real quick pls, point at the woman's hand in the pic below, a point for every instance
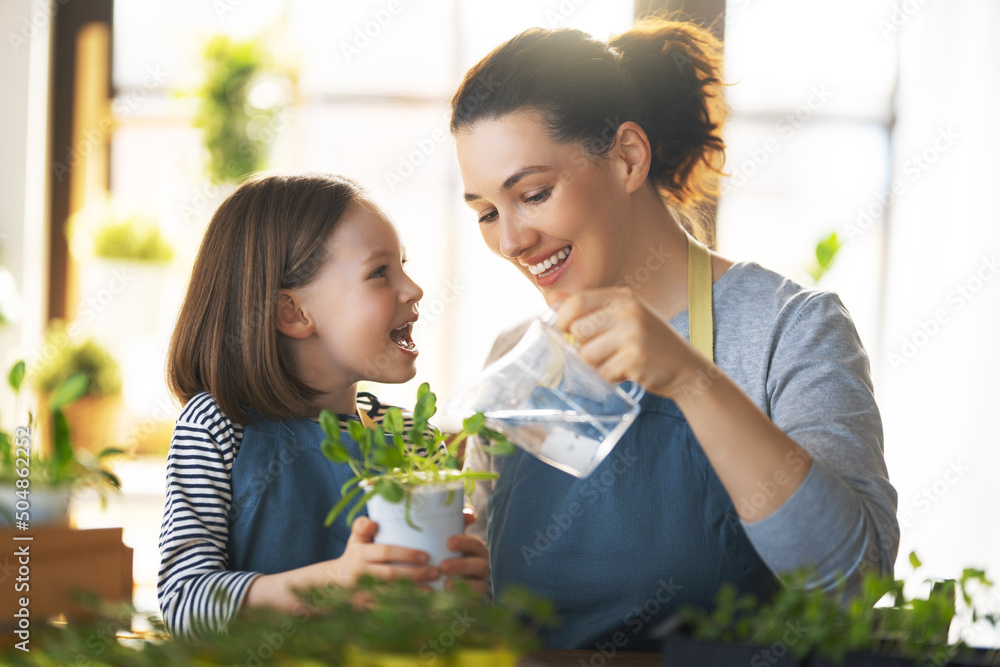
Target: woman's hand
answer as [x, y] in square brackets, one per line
[361, 556]
[474, 565]
[623, 339]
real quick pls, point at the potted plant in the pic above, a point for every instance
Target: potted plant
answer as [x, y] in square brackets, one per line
[124, 257]
[35, 486]
[805, 625]
[240, 105]
[95, 414]
[412, 481]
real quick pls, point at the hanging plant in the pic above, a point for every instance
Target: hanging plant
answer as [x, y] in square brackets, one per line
[240, 104]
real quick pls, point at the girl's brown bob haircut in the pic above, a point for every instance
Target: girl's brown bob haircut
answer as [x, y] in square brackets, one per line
[268, 235]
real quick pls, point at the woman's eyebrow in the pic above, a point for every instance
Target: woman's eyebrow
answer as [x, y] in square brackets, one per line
[512, 179]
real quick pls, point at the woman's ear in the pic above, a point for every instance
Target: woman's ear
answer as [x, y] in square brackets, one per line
[293, 320]
[633, 153]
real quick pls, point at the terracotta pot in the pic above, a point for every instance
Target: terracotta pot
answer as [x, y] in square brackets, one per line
[94, 423]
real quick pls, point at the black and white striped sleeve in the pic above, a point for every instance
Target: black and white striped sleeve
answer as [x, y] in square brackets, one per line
[197, 594]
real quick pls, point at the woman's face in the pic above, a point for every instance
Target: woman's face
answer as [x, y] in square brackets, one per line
[549, 208]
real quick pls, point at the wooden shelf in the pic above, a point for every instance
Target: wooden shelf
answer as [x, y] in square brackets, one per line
[61, 561]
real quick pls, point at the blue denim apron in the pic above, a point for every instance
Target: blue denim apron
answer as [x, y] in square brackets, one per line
[283, 487]
[650, 530]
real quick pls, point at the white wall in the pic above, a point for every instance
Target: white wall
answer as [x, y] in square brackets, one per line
[25, 27]
[938, 387]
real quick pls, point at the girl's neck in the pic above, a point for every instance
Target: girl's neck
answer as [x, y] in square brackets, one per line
[339, 401]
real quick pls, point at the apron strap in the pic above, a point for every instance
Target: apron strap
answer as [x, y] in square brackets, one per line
[700, 298]
[366, 421]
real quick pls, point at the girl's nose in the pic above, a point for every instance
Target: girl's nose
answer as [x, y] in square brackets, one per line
[412, 291]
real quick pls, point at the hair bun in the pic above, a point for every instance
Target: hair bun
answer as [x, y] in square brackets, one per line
[677, 67]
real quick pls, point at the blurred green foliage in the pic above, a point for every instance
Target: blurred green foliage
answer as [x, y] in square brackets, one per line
[62, 357]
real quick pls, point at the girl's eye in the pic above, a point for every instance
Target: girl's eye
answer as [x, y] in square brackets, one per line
[538, 198]
[488, 217]
[380, 272]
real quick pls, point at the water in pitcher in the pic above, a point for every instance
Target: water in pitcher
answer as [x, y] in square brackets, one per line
[547, 400]
[573, 442]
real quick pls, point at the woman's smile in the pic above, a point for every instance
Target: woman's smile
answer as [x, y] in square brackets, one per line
[552, 268]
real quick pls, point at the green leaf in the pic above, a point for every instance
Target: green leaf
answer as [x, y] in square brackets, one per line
[393, 421]
[111, 478]
[110, 451]
[388, 458]
[361, 504]
[63, 450]
[336, 451]
[357, 430]
[826, 250]
[477, 474]
[914, 561]
[69, 390]
[501, 448]
[341, 505]
[16, 376]
[452, 463]
[5, 449]
[377, 443]
[426, 404]
[330, 424]
[389, 489]
[417, 437]
[474, 425]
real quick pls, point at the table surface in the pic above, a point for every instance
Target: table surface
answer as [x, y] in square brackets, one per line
[593, 658]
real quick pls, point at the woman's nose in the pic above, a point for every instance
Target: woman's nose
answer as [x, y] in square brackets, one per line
[516, 236]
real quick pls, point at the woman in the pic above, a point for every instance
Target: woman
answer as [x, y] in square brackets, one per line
[584, 163]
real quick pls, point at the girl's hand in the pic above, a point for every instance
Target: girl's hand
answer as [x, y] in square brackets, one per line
[384, 561]
[474, 565]
[623, 339]
[361, 556]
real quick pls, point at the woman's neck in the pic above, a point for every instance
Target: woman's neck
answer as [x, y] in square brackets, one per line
[656, 263]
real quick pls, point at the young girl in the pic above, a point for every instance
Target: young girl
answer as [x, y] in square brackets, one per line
[297, 294]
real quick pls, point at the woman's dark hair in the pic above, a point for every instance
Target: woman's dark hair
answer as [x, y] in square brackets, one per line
[269, 234]
[662, 74]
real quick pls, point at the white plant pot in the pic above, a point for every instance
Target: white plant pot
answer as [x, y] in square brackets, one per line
[46, 506]
[435, 509]
[121, 298]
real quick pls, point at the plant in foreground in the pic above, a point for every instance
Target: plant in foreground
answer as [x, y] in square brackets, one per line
[831, 625]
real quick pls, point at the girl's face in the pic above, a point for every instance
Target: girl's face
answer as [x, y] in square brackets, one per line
[549, 208]
[363, 304]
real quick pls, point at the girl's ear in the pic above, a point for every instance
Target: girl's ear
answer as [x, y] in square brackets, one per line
[634, 154]
[293, 320]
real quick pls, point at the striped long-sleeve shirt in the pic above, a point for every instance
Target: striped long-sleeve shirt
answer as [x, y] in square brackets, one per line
[198, 594]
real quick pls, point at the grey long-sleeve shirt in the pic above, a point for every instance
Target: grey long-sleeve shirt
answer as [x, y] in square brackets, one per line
[797, 355]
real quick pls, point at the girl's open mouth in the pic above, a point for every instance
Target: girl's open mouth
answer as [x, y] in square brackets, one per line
[402, 337]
